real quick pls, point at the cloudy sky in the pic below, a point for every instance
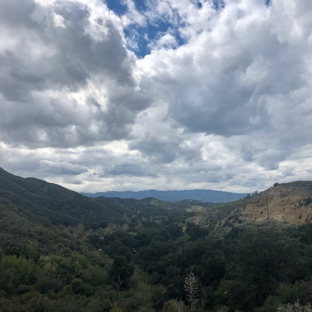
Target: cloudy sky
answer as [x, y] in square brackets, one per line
[164, 94]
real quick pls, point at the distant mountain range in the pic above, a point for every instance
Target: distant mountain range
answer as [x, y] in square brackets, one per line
[174, 196]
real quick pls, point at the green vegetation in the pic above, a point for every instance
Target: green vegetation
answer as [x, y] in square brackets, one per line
[299, 184]
[68, 208]
[130, 255]
[307, 201]
[294, 308]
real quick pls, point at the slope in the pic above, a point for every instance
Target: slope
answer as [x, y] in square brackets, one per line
[289, 202]
[63, 206]
[56, 203]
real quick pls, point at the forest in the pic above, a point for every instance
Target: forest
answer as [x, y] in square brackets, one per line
[143, 255]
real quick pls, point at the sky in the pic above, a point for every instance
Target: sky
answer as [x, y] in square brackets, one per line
[156, 94]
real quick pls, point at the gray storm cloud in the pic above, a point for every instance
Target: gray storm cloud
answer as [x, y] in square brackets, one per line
[61, 167]
[226, 105]
[66, 77]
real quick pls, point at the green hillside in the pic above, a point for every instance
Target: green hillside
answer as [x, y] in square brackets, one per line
[62, 206]
[59, 205]
[144, 255]
[41, 264]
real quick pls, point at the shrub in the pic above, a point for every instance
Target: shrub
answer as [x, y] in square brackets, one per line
[296, 307]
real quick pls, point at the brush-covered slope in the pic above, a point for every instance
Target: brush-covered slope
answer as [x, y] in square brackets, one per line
[289, 202]
[58, 204]
[141, 263]
[43, 267]
[63, 206]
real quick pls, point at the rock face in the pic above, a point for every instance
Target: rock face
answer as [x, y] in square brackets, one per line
[282, 203]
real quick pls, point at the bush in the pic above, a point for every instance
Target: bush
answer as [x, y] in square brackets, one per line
[307, 201]
[294, 307]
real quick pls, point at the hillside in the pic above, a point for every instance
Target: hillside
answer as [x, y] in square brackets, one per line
[58, 204]
[291, 203]
[63, 206]
[42, 265]
[174, 196]
[142, 258]
[219, 213]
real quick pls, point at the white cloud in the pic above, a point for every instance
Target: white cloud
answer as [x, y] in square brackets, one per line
[167, 41]
[230, 108]
[71, 85]
[133, 16]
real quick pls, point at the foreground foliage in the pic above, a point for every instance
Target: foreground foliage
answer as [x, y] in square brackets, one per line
[146, 267]
[151, 261]
[296, 307]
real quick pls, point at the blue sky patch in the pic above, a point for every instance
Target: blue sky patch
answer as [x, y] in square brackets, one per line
[140, 5]
[147, 35]
[150, 34]
[117, 6]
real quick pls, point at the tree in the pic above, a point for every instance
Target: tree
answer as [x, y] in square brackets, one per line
[120, 272]
[174, 306]
[296, 307]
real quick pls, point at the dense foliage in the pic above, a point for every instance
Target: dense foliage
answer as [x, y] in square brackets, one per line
[62, 206]
[151, 261]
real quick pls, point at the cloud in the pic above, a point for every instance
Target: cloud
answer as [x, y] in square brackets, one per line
[65, 69]
[166, 41]
[133, 16]
[232, 76]
[131, 169]
[73, 181]
[222, 99]
[62, 167]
